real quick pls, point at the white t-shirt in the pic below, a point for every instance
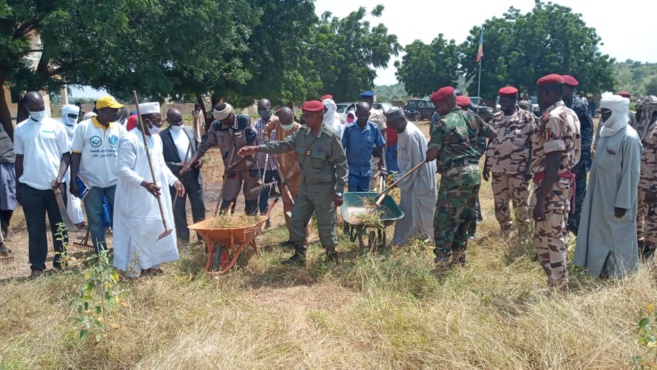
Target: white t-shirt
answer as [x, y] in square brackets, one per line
[182, 142]
[42, 146]
[99, 147]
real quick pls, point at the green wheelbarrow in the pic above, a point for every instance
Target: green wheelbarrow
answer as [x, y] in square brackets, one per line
[370, 235]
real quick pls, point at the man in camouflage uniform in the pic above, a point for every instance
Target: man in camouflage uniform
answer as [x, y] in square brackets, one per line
[454, 145]
[556, 150]
[230, 132]
[323, 177]
[379, 118]
[586, 132]
[646, 212]
[508, 157]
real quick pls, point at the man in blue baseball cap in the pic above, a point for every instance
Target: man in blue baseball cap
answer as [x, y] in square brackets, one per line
[377, 117]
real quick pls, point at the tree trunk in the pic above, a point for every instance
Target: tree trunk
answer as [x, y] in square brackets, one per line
[5, 113]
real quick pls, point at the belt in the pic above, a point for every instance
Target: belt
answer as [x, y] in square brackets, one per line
[457, 170]
[538, 177]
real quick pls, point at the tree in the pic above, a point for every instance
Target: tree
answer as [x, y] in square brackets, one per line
[346, 52]
[651, 86]
[426, 68]
[520, 48]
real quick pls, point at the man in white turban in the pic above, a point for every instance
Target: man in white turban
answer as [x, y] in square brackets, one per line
[607, 240]
[137, 218]
[331, 118]
[69, 118]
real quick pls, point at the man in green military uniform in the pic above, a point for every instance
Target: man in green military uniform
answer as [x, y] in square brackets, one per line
[454, 145]
[324, 174]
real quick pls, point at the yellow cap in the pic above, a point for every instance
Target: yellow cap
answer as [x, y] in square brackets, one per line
[108, 102]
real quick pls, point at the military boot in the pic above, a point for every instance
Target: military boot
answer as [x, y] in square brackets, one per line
[458, 258]
[298, 258]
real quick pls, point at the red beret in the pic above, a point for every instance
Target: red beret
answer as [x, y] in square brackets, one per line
[569, 80]
[327, 96]
[624, 94]
[508, 91]
[313, 106]
[550, 80]
[442, 94]
[463, 101]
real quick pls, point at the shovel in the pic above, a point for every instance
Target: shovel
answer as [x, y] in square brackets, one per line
[167, 231]
[379, 197]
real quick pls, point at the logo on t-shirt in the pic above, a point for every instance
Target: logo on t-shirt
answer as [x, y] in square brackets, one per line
[95, 141]
[114, 140]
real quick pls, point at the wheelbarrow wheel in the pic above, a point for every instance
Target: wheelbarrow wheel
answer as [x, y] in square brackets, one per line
[244, 256]
[371, 242]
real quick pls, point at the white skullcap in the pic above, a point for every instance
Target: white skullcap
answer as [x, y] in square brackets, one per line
[70, 109]
[149, 108]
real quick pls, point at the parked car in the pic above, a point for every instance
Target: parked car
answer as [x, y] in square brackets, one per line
[419, 109]
[478, 105]
[385, 106]
[343, 108]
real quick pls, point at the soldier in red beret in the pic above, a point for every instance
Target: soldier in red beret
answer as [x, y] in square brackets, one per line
[556, 150]
[454, 145]
[508, 157]
[586, 131]
[324, 175]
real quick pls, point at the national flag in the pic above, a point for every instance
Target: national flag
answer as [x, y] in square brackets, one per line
[480, 52]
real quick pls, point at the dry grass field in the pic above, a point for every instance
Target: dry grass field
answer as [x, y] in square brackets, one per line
[365, 313]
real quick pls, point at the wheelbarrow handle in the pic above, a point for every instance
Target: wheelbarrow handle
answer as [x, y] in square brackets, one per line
[379, 197]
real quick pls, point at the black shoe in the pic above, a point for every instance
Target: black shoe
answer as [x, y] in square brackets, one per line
[287, 243]
[296, 259]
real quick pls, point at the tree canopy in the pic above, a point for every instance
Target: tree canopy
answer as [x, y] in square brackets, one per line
[239, 50]
[518, 50]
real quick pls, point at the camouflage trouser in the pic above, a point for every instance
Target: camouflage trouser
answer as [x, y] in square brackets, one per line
[646, 222]
[551, 235]
[580, 192]
[454, 212]
[514, 188]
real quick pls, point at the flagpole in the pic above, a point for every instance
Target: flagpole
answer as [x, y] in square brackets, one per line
[479, 86]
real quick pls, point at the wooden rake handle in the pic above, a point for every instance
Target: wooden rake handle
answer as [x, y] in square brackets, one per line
[379, 197]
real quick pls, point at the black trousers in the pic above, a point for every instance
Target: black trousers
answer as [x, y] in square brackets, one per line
[193, 191]
[36, 203]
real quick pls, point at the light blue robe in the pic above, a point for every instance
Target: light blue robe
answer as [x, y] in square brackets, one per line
[606, 243]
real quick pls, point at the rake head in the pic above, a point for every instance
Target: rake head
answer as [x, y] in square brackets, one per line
[165, 234]
[261, 188]
[5, 258]
[84, 246]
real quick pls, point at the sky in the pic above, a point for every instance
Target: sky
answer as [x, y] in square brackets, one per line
[420, 19]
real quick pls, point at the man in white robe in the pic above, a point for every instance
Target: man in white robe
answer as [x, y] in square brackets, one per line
[137, 219]
[418, 190]
[331, 117]
[69, 118]
[607, 240]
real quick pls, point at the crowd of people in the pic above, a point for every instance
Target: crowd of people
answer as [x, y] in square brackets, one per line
[117, 166]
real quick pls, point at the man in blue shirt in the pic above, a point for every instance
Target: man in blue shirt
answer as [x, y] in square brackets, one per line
[360, 141]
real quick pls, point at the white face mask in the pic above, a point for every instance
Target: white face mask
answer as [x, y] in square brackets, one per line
[68, 121]
[176, 128]
[38, 116]
[154, 130]
[287, 127]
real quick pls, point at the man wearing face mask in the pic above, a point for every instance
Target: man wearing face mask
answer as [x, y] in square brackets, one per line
[606, 240]
[42, 157]
[230, 132]
[94, 160]
[265, 162]
[287, 164]
[586, 132]
[179, 144]
[137, 218]
[73, 204]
